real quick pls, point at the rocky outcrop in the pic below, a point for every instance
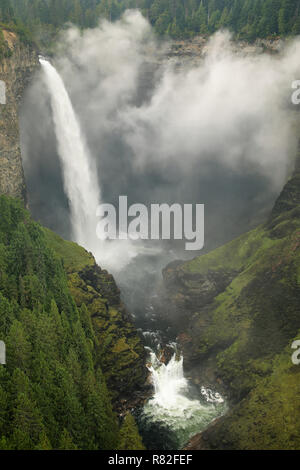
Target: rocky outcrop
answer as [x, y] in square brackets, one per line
[15, 71]
[120, 350]
[290, 196]
[192, 50]
[241, 315]
[191, 291]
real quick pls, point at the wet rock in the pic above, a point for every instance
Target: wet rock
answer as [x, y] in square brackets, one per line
[16, 72]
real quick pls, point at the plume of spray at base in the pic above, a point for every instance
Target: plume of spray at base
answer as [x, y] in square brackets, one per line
[206, 110]
[80, 181]
[171, 405]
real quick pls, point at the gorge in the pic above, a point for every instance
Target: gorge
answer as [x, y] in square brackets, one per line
[233, 311]
[170, 407]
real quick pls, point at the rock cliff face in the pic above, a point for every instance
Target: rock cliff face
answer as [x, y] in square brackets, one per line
[15, 72]
[241, 308]
[194, 49]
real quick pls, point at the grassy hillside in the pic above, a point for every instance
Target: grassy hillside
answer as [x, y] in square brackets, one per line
[62, 378]
[243, 304]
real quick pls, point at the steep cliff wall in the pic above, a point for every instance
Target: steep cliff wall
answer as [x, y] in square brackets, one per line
[15, 71]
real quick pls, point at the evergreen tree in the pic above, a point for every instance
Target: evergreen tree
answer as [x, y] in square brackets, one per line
[53, 394]
[66, 442]
[6, 10]
[129, 435]
[178, 18]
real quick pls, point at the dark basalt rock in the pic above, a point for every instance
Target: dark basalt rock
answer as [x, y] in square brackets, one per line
[16, 71]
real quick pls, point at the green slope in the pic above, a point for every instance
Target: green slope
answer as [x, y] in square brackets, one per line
[242, 303]
[57, 311]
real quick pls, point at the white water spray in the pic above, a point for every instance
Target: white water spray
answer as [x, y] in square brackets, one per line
[171, 405]
[170, 385]
[80, 180]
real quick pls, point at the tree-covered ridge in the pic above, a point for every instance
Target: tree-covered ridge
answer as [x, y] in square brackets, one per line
[53, 393]
[248, 19]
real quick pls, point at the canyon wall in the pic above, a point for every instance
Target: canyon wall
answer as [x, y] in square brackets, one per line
[240, 305]
[16, 68]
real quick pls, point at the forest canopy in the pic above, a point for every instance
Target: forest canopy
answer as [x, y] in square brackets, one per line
[53, 393]
[247, 19]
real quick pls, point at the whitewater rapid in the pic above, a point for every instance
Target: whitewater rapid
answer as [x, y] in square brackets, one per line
[173, 409]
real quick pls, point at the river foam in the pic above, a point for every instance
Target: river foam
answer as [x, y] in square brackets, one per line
[176, 410]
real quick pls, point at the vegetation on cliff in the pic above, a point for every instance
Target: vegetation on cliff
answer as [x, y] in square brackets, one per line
[5, 51]
[61, 376]
[248, 19]
[243, 313]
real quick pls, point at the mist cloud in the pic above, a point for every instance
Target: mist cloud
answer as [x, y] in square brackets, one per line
[231, 107]
[217, 130]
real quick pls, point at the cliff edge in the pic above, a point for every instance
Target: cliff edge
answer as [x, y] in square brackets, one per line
[17, 63]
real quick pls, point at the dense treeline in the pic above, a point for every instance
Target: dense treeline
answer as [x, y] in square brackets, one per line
[248, 19]
[53, 394]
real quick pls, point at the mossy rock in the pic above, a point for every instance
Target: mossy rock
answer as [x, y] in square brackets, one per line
[120, 350]
[242, 334]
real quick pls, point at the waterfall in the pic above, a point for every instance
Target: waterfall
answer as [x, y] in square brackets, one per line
[169, 384]
[174, 406]
[79, 174]
[81, 184]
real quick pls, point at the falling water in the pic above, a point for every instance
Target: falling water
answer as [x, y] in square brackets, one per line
[174, 411]
[170, 385]
[80, 180]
